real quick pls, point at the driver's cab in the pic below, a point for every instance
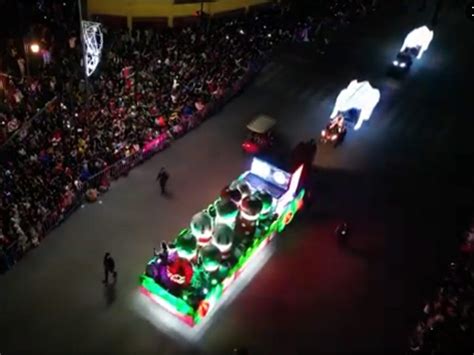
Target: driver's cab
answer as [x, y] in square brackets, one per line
[407, 55]
[344, 119]
[337, 124]
[260, 139]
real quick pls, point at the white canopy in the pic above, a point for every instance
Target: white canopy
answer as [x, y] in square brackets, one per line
[418, 38]
[358, 95]
[261, 124]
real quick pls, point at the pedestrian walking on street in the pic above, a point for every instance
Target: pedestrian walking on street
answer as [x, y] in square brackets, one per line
[109, 268]
[162, 178]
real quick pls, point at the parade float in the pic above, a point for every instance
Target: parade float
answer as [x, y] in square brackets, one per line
[191, 274]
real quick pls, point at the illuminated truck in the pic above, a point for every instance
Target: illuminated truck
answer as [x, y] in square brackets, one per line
[191, 274]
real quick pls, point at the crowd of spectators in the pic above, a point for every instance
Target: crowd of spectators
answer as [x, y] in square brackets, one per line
[149, 87]
[447, 325]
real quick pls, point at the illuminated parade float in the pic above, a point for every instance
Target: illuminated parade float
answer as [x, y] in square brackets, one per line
[356, 103]
[191, 274]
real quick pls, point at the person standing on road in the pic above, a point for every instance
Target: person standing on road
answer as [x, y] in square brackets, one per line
[162, 178]
[109, 267]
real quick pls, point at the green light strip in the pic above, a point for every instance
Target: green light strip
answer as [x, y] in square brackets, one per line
[180, 305]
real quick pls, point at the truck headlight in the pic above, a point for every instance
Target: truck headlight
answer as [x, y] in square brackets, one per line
[323, 132]
[403, 65]
[395, 62]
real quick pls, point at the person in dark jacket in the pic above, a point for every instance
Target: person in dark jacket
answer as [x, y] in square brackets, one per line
[109, 268]
[162, 178]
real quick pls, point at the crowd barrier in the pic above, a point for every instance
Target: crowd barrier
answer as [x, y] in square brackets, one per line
[101, 180]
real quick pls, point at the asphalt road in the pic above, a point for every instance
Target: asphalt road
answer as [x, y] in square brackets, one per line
[402, 182]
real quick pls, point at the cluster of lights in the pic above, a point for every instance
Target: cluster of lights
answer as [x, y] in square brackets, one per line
[399, 64]
[324, 133]
[35, 48]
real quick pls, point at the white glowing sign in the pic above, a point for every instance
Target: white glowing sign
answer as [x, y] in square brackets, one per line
[93, 42]
[279, 177]
[270, 173]
[358, 95]
[260, 168]
[420, 38]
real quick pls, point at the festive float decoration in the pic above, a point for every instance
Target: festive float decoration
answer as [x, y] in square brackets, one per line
[191, 274]
[186, 245]
[93, 43]
[222, 239]
[201, 227]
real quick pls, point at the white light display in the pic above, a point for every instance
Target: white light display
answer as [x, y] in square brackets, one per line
[279, 177]
[358, 95]
[420, 38]
[270, 173]
[93, 42]
[260, 168]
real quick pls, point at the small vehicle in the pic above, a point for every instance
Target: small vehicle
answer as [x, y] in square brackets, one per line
[260, 138]
[335, 131]
[404, 60]
[356, 102]
[415, 44]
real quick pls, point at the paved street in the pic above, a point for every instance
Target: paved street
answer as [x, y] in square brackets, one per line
[402, 182]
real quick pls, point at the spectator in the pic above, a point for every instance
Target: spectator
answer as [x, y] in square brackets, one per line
[447, 325]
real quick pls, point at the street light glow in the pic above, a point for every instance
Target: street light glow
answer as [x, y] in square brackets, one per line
[35, 48]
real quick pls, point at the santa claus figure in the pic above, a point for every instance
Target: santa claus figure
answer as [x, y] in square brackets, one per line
[222, 239]
[249, 213]
[176, 274]
[211, 258]
[242, 186]
[226, 212]
[231, 194]
[202, 227]
[186, 246]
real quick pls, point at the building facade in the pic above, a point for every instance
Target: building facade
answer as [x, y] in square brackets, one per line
[165, 13]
